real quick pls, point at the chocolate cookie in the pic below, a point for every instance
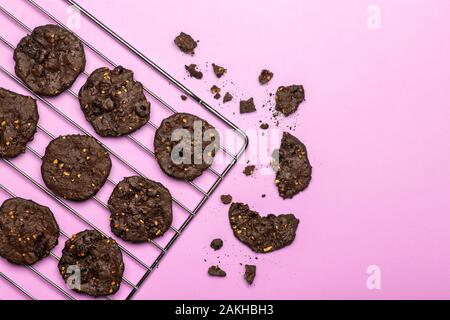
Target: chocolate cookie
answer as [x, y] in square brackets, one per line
[49, 60]
[186, 43]
[265, 76]
[18, 121]
[113, 103]
[141, 209]
[289, 98]
[98, 260]
[262, 234]
[250, 273]
[28, 231]
[75, 167]
[175, 143]
[294, 170]
[247, 106]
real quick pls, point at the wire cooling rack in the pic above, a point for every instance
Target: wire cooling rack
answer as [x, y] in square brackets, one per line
[131, 254]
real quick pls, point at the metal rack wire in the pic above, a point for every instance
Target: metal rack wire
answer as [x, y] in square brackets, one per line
[190, 213]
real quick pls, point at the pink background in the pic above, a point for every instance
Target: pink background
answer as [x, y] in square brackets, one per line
[376, 124]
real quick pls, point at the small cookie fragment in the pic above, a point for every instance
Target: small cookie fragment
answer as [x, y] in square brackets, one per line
[265, 76]
[186, 43]
[217, 96]
[247, 106]
[141, 209]
[264, 126]
[248, 170]
[262, 234]
[250, 273]
[226, 198]
[28, 231]
[227, 97]
[294, 170]
[289, 98]
[215, 271]
[215, 89]
[216, 244]
[98, 260]
[18, 122]
[193, 72]
[218, 70]
[183, 97]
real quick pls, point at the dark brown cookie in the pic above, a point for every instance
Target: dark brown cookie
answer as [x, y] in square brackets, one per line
[218, 70]
[247, 106]
[75, 167]
[216, 244]
[289, 98]
[28, 231]
[49, 60]
[226, 198]
[141, 209]
[227, 97]
[186, 43]
[262, 234]
[265, 76]
[98, 260]
[215, 271]
[193, 72]
[294, 170]
[18, 121]
[248, 170]
[250, 273]
[113, 103]
[176, 163]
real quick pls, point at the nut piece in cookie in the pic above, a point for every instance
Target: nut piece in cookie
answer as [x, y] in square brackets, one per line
[294, 170]
[186, 43]
[185, 146]
[28, 231]
[113, 102]
[262, 234]
[97, 259]
[215, 271]
[218, 70]
[193, 72]
[247, 106]
[250, 273]
[75, 167]
[141, 209]
[18, 121]
[265, 76]
[289, 98]
[49, 60]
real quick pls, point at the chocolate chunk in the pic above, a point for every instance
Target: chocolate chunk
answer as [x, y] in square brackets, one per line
[226, 198]
[215, 271]
[289, 98]
[264, 126]
[262, 234]
[97, 259]
[216, 244]
[227, 97]
[265, 76]
[248, 171]
[141, 209]
[49, 60]
[18, 122]
[294, 172]
[193, 72]
[250, 273]
[186, 43]
[218, 70]
[28, 231]
[75, 167]
[113, 102]
[247, 106]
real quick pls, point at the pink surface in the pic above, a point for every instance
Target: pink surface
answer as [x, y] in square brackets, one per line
[376, 124]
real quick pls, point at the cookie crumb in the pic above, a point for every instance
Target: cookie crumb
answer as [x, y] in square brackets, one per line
[250, 273]
[227, 97]
[247, 106]
[215, 271]
[265, 76]
[216, 244]
[264, 126]
[218, 70]
[186, 43]
[248, 171]
[226, 198]
[193, 72]
[183, 97]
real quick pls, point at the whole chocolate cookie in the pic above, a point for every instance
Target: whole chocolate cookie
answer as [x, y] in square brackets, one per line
[18, 121]
[175, 136]
[98, 260]
[113, 103]
[75, 167]
[141, 209]
[294, 170]
[262, 234]
[28, 231]
[289, 98]
[49, 60]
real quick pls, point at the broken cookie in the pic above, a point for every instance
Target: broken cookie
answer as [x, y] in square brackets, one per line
[218, 70]
[289, 98]
[193, 72]
[215, 271]
[247, 106]
[265, 76]
[186, 43]
[250, 273]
